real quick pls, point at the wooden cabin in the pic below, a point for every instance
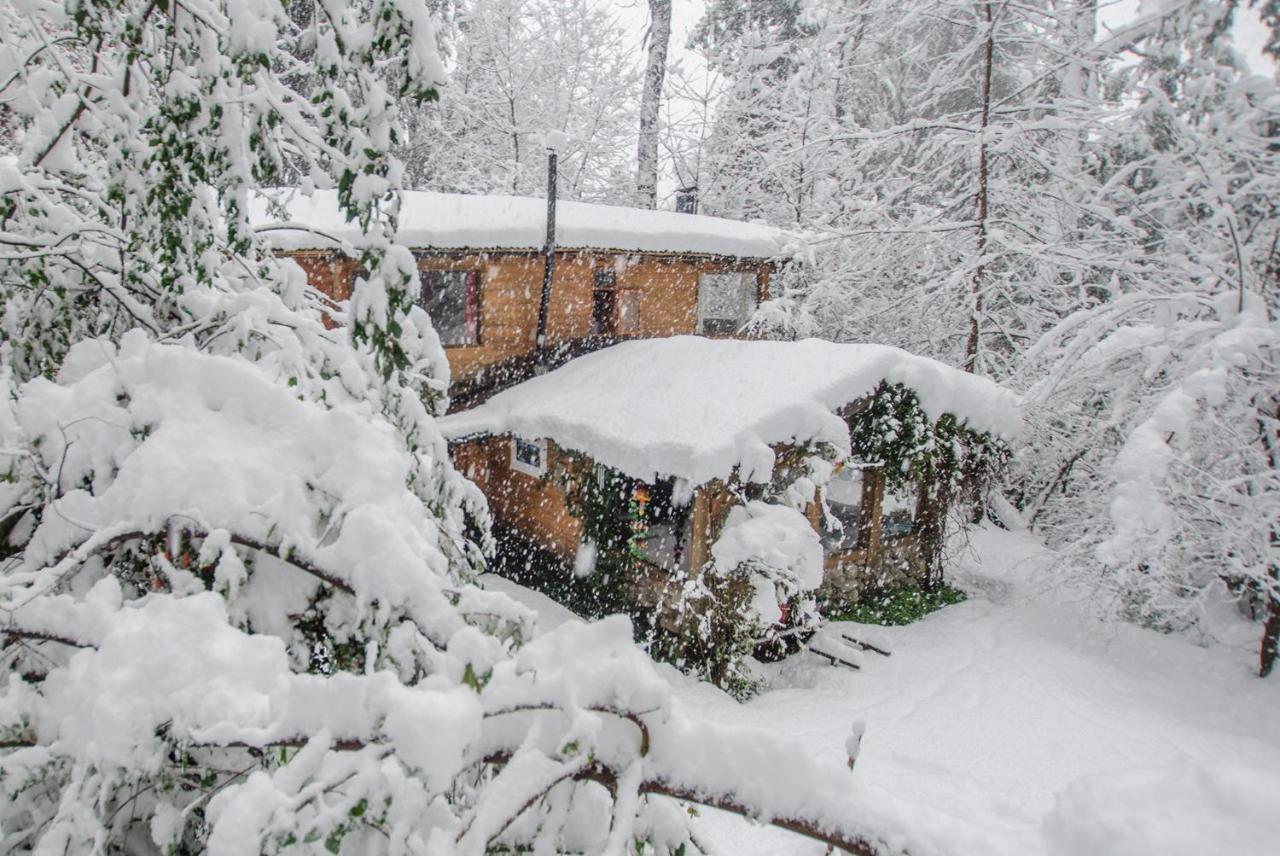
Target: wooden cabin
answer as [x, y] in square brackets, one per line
[690, 427]
[619, 272]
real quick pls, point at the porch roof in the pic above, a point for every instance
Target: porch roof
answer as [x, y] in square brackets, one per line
[695, 408]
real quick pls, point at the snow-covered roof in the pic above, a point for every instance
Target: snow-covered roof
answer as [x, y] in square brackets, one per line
[695, 408]
[453, 221]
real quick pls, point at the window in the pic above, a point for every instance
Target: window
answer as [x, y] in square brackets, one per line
[604, 303]
[529, 456]
[725, 302]
[897, 514]
[452, 299]
[668, 527]
[843, 494]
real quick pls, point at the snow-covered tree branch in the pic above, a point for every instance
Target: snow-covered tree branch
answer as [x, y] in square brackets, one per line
[237, 569]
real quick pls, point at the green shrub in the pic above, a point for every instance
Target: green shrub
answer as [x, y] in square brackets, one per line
[894, 607]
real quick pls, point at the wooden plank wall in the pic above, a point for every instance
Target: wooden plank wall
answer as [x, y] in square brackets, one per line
[665, 289]
[534, 506]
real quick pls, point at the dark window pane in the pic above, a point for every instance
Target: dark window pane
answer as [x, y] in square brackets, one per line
[603, 313]
[529, 454]
[451, 298]
[720, 326]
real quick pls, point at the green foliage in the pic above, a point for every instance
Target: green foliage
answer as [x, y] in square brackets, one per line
[713, 641]
[894, 607]
[328, 651]
[895, 431]
[946, 459]
[602, 499]
[475, 681]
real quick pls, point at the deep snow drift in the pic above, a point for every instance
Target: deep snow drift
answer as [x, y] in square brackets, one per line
[1013, 724]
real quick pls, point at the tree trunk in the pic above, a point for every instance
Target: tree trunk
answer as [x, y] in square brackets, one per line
[1271, 629]
[1268, 431]
[651, 99]
[931, 529]
[975, 318]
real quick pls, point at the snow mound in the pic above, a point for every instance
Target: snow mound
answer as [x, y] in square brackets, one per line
[778, 546]
[454, 221]
[1163, 811]
[697, 408]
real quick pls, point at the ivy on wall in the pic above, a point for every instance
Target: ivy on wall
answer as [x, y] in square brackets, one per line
[691, 620]
[941, 458]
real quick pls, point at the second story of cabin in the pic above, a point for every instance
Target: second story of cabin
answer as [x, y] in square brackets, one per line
[619, 272]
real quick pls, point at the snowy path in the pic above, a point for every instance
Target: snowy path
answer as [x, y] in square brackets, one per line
[1013, 725]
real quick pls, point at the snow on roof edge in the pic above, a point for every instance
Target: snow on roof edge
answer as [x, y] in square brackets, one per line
[462, 222]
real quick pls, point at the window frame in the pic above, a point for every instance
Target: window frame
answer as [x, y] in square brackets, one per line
[748, 301]
[520, 466]
[472, 300]
[837, 546]
[909, 501]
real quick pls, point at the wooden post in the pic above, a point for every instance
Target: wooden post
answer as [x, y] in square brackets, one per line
[699, 532]
[813, 513]
[872, 503]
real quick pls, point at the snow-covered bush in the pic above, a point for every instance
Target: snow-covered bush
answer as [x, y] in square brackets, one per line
[777, 550]
[1155, 454]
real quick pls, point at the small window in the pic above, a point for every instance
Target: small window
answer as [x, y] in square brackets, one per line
[604, 304]
[529, 456]
[725, 302]
[843, 494]
[897, 514]
[452, 299]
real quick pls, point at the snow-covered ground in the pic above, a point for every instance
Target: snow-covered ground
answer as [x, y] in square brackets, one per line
[1014, 724]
